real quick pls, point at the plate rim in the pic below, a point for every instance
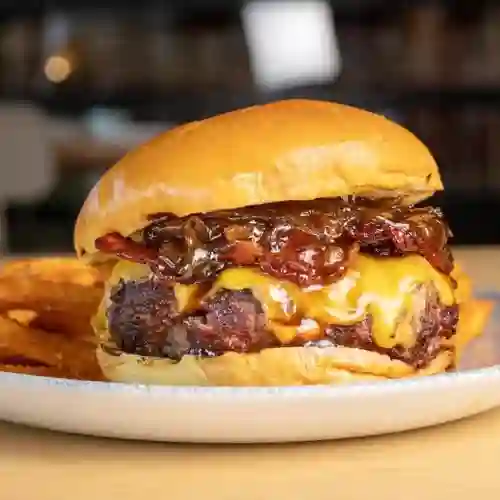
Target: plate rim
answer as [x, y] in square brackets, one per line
[368, 388]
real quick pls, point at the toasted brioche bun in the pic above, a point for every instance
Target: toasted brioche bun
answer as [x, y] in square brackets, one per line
[288, 150]
[285, 366]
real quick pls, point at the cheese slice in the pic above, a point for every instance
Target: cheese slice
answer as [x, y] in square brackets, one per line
[307, 329]
[388, 289]
[280, 299]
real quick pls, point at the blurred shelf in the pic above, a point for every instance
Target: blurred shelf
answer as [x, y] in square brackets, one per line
[84, 144]
[365, 12]
[35, 6]
[438, 95]
[356, 6]
[87, 154]
[184, 105]
[172, 105]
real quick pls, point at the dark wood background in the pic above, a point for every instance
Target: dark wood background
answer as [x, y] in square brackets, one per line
[434, 66]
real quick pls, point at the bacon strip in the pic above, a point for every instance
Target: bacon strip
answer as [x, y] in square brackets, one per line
[126, 248]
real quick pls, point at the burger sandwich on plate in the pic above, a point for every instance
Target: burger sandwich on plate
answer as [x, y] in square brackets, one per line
[282, 244]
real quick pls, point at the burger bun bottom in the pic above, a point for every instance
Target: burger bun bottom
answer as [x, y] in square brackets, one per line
[285, 366]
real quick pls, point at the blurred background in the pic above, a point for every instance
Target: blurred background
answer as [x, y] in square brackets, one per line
[83, 81]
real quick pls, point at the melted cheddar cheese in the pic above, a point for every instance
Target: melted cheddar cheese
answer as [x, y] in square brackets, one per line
[387, 289]
[128, 271]
[279, 299]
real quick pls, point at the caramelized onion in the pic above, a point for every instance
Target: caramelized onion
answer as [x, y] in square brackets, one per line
[307, 242]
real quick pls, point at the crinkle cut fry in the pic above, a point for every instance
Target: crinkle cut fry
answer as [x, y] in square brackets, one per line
[63, 292]
[75, 358]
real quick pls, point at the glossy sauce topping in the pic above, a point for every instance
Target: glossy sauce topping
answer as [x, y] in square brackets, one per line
[305, 243]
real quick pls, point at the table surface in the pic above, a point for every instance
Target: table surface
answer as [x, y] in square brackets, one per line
[460, 460]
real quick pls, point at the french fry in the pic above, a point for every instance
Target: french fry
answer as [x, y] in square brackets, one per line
[42, 371]
[463, 292]
[25, 317]
[65, 323]
[56, 322]
[45, 310]
[25, 293]
[17, 340]
[474, 315]
[53, 269]
[63, 292]
[73, 357]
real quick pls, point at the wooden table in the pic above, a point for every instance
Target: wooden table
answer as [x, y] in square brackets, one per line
[460, 460]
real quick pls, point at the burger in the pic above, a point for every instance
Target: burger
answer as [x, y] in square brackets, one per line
[281, 244]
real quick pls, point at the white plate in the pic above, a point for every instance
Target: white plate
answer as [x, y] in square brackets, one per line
[252, 415]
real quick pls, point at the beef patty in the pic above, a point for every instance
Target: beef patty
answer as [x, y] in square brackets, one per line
[143, 319]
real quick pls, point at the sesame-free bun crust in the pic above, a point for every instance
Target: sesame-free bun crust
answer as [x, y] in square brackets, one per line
[288, 150]
[285, 366]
